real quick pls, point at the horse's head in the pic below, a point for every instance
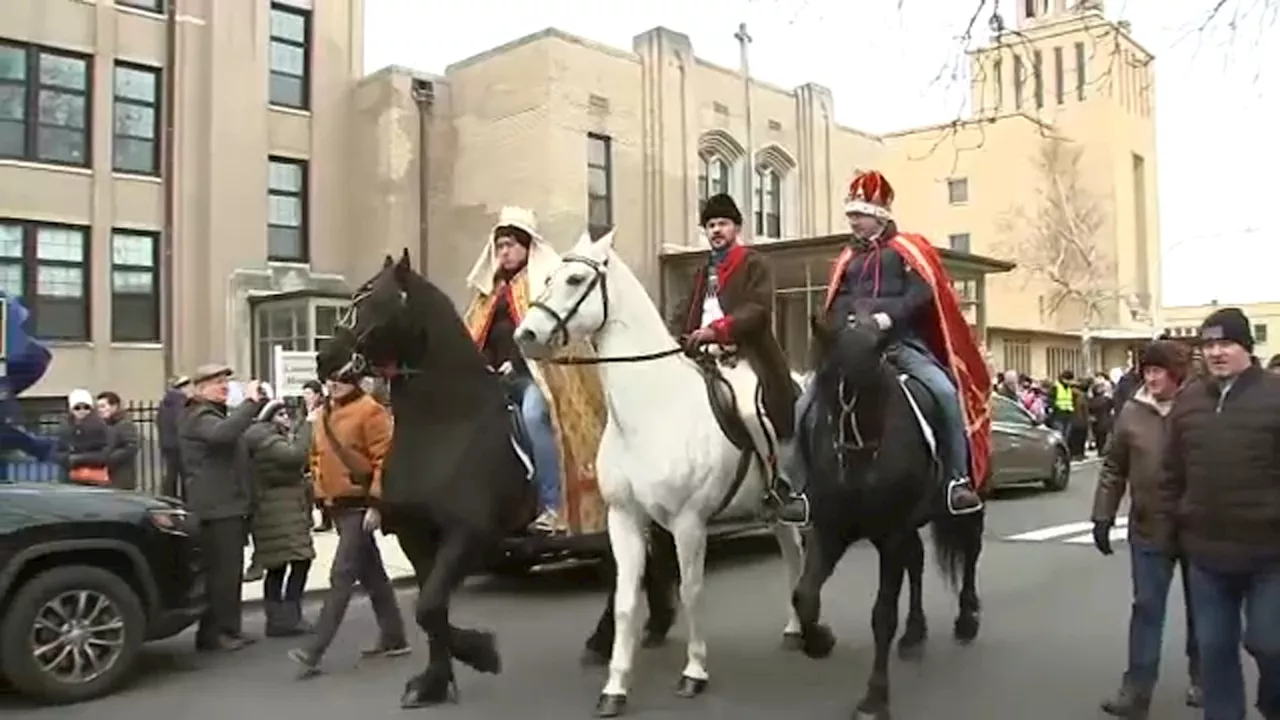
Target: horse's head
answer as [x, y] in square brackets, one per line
[379, 329]
[847, 351]
[574, 305]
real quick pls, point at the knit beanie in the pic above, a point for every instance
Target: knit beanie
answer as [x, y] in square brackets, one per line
[1169, 355]
[1228, 324]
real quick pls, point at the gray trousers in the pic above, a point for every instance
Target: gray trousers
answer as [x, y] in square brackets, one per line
[357, 559]
[222, 545]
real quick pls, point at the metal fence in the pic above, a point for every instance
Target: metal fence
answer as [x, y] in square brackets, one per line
[148, 467]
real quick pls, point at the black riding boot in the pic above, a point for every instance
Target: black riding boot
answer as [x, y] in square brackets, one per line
[961, 497]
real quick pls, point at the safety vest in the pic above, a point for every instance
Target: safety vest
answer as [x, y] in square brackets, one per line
[1062, 399]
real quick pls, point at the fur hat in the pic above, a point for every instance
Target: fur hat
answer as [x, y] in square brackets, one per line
[270, 409]
[1167, 354]
[721, 207]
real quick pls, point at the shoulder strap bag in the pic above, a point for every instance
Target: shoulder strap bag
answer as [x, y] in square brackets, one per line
[361, 473]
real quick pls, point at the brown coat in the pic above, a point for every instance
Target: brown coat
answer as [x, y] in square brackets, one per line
[1133, 460]
[363, 426]
[746, 298]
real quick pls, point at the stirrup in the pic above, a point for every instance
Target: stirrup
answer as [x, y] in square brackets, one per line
[780, 501]
[951, 486]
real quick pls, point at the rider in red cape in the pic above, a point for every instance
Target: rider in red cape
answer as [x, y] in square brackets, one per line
[900, 280]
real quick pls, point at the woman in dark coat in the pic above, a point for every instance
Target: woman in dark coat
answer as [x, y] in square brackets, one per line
[281, 523]
[83, 442]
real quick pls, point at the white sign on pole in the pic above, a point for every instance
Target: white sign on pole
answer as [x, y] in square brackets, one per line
[292, 369]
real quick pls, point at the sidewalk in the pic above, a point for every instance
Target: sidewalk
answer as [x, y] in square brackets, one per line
[326, 544]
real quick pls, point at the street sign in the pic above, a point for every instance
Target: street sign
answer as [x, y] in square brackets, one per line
[291, 369]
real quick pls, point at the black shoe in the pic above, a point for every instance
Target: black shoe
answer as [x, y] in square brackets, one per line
[1128, 703]
[1195, 695]
[961, 498]
[790, 509]
[222, 643]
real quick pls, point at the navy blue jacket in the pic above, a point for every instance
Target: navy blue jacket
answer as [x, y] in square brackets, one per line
[880, 280]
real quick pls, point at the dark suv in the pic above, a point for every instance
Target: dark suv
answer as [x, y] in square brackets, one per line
[87, 575]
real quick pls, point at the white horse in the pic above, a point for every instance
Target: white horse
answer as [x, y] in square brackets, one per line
[663, 456]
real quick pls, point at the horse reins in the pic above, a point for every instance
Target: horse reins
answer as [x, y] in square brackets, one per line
[599, 279]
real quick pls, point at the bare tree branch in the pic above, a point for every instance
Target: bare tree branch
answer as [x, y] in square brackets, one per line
[1057, 240]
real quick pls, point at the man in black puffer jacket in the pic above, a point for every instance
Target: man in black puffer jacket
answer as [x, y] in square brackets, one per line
[1221, 484]
[167, 419]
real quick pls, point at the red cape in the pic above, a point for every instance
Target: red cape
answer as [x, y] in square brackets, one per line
[948, 336]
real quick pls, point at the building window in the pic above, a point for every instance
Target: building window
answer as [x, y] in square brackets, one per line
[135, 148]
[768, 209]
[135, 286]
[1019, 81]
[290, 33]
[44, 105]
[155, 6]
[1080, 71]
[1037, 77]
[997, 71]
[45, 265]
[1260, 332]
[958, 191]
[1060, 359]
[1017, 356]
[325, 320]
[282, 324]
[1059, 77]
[959, 242]
[599, 185]
[714, 178]
[287, 210]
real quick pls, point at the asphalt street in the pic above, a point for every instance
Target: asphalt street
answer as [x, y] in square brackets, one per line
[1051, 646]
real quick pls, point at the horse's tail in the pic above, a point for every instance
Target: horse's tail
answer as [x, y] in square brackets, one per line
[957, 541]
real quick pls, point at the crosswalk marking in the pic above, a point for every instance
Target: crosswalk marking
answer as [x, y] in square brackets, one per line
[1076, 533]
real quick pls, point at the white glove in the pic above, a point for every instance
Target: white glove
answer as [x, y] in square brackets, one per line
[883, 321]
[372, 520]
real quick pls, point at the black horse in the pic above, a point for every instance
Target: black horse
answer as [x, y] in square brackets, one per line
[454, 486]
[874, 477]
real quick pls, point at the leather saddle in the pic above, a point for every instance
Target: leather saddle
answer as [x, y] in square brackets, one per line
[724, 408]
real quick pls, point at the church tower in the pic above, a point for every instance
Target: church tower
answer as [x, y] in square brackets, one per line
[1086, 78]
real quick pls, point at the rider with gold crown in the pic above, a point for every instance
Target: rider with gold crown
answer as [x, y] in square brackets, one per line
[562, 407]
[899, 279]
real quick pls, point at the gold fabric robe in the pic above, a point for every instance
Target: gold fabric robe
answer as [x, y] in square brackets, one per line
[578, 414]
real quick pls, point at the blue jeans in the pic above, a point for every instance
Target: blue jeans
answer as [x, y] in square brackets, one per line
[536, 414]
[914, 362]
[1152, 573]
[954, 443]
[1219, 601]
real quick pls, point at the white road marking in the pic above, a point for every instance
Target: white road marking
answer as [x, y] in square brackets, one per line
[1076, 533]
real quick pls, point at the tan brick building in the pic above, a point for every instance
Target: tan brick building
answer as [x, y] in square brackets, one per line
[186, 180]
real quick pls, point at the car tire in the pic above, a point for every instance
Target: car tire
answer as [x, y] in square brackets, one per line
[1059, 472]
[32, 599]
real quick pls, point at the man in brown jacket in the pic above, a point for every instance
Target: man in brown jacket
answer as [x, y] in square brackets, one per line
[1221, 486]
[350, 440]
[732, 304]
[1132, 461]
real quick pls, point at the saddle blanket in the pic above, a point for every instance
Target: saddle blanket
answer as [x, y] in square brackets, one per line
[929, 437]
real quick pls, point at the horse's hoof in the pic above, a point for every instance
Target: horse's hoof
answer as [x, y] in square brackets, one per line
[593, 658]
[882, 714]
[478, 650]
[792, 641]
[911, 651]
[428, 690]
[966, 629]
[611, 706]
[689, 687]
[818, 642]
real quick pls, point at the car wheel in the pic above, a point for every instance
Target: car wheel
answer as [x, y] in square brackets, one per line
[71, 634]
[1060, 472]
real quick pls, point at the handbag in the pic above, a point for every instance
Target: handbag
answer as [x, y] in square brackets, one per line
[361, 473]
[89, 475]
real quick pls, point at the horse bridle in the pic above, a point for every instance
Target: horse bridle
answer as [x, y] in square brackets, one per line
[358, 364]
[599, 280]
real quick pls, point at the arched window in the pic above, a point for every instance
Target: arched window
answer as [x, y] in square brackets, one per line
[768, 205]
[713, 177]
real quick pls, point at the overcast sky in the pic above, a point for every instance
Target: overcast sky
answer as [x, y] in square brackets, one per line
[1220, 231]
